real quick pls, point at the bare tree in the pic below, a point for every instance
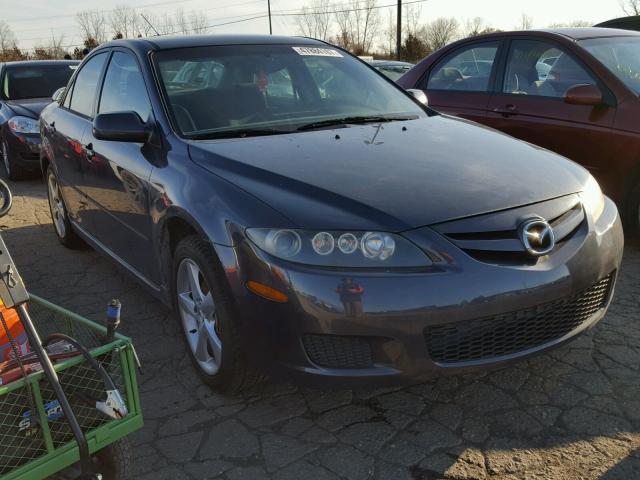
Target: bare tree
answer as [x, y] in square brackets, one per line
[315, 20]
[440, 32]
[390, 37]
[574, 23]
[525, 22]
[474, 26]
[198, 21]
[7, 38]
[125, 20]
[412, 14]
[92, 23]
[630, 7]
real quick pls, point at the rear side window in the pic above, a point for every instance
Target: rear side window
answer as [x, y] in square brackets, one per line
[468, 69]
[540, 68]
[124, 88]
[86, 85]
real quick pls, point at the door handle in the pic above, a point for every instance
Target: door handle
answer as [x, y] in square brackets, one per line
[88, 150]
[507, 110]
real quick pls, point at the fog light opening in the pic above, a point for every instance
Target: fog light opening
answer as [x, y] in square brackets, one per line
[267, 292]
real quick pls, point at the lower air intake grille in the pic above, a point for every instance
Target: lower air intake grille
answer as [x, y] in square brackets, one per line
[515, 331]
[30, 156]
[334, 351]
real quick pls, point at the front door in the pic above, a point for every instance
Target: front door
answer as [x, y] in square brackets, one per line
[529, 104]
[117, 174]
[459, 84]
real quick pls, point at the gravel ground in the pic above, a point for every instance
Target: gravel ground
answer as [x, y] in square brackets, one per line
[573, 413]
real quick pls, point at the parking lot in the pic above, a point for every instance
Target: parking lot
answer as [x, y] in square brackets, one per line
[573, 413]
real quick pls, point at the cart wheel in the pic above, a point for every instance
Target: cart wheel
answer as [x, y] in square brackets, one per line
[114, 461]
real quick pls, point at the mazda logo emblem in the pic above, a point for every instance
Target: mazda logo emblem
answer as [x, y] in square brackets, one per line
[537, 237]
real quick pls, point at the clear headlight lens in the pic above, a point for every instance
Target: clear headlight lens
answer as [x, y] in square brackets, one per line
[21, 124]
[592, 198]
[339, 249]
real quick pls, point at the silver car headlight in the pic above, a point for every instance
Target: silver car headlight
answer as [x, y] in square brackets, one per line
[348, 249]
[21, 124]
[592, 198]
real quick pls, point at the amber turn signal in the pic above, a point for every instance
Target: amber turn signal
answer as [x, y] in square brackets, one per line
[267, 292]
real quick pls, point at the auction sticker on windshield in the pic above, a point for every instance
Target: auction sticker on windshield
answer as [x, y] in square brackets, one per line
[317, 52]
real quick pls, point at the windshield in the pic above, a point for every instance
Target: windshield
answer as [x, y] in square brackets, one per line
[37, 81]
[621, 55]
[222, 90]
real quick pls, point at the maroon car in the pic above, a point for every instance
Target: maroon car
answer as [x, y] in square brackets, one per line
[574, 91]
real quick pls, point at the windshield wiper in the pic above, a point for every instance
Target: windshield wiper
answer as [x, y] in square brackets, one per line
[238, 133]
[360, 120]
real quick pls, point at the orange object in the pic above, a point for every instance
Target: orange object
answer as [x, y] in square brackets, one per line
[17, 333]
[267, 292]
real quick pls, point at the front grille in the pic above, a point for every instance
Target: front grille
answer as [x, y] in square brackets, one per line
[335, 351]
[494, 238]
[517, 331]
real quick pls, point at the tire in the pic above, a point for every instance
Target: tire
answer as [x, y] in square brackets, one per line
[61, 225]
[114, 461]
[12, 170]
[632, 223]
[208, 318]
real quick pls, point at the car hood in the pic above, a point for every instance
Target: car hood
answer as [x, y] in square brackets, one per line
[394, 176]
[28, 107]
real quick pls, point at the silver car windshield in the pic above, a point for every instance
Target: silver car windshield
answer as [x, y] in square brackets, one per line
[621, 55]
[268, 89]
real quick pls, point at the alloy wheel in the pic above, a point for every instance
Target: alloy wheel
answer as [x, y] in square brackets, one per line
[56, 206]
[198, 315]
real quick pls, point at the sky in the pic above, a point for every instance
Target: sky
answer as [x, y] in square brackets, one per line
[44, 18]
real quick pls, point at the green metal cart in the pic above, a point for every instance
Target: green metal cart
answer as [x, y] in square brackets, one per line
[33, 450]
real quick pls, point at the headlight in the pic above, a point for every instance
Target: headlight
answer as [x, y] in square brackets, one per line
[339, 249]
[20, 124]
[592, 198]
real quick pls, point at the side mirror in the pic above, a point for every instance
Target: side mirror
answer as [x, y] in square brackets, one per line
[584, 94]
[57, 95]
[418, 95]
[120, 127]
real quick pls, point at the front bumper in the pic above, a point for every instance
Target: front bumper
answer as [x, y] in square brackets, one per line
[382, 337]
[24, 149]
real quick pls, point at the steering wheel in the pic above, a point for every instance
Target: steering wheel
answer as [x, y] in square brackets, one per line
[6, 199]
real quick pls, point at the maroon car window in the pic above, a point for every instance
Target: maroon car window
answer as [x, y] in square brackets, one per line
[86, 84]
[541, 69]
[467, 69]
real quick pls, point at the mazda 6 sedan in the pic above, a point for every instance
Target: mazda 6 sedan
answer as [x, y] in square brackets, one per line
[306, 217]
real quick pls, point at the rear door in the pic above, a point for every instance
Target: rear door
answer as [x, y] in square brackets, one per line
[529, 103]
[117, 173]
[66, 127]
[460, 83]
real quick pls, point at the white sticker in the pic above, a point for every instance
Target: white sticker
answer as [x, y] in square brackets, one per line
[317, 51]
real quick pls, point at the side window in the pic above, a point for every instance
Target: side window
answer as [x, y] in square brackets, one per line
[279, 85]
[539, 68]
[86, 85]
[124, 87]
[467, 69]
[67, 99]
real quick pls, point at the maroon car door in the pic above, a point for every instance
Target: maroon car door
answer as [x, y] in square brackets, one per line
[529, 103]
[460, 82]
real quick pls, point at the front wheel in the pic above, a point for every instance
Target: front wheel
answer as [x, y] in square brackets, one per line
[61, 224]
[205, 311]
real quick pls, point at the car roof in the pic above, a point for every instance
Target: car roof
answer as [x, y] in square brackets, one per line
[31, 63]
[580, 33]
[186, 41]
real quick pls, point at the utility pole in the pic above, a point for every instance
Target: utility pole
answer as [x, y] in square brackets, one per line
[269, 8]
[399, 31]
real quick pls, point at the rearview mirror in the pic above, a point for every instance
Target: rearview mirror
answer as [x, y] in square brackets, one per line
[57, 95]
[584, 94]
[418, 95]
[120, 127]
